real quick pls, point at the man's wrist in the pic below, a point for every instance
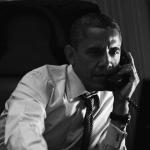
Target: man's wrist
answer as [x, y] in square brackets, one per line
[121, 108]
[125, 119]
[121, 121]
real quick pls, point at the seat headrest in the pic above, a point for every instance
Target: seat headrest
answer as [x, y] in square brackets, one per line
[30, 41]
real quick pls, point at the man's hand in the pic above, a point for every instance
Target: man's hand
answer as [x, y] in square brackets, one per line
[120, 105]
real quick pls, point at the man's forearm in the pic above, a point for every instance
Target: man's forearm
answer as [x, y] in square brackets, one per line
[120, 109]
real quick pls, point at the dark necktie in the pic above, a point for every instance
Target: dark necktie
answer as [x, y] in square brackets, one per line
[88, 120]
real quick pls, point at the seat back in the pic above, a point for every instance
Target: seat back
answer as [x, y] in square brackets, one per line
[29, 41]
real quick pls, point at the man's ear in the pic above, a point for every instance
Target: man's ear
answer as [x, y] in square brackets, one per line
[69, 52]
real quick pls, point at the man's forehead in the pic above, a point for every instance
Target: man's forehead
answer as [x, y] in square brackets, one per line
[104, 34]
[96, 30]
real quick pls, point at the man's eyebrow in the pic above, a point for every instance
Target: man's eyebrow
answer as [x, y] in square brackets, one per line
[94, 48]
[116, 48]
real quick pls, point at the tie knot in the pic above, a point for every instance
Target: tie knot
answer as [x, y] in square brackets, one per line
[89, 100]
[89, 95]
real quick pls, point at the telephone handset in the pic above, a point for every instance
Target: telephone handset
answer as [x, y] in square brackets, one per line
[115, 81]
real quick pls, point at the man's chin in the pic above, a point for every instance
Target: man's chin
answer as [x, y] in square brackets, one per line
[98, 87]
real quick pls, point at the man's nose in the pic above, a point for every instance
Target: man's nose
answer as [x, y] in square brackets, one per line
[106, 60]
[106, 63]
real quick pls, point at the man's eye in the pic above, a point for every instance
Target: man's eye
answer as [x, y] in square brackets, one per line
[94, 52]
[114, 52]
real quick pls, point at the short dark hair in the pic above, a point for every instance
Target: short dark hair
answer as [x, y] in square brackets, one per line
[98, 20]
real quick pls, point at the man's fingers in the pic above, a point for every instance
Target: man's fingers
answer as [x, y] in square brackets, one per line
[131, 60]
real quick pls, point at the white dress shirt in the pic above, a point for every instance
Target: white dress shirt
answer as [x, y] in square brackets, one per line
[45, 112]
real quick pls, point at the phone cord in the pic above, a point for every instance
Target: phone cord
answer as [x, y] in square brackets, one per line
[131, 102]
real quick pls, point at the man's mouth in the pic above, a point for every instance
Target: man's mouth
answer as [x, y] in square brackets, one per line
[102, 77]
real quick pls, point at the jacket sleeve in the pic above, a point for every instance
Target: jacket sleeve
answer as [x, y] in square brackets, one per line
[26, 113]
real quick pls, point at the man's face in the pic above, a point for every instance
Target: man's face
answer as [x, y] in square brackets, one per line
[99, 49]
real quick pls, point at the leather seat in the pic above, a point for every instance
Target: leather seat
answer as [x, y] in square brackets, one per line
[31, 40]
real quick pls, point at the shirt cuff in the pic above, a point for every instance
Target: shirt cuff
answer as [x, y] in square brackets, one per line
[114, 136]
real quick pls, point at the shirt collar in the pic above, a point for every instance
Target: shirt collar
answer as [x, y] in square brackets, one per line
[74, 86]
